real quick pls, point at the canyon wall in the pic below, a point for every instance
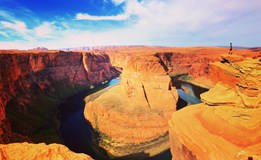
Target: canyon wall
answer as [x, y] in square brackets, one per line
[136, 118]
[195, 62]
[131, 119]
[32, 81]
[227, 125]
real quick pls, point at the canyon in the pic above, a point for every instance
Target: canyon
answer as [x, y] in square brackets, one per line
[32, 83]
[139, 117]
[130, 118]
[140, 84]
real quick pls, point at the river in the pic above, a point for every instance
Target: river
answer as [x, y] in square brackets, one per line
[188, 93]
[76, 133]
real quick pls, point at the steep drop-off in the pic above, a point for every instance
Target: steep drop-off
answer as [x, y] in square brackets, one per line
[195, 62]
[31, 83]
[227, 125]
[131, 119]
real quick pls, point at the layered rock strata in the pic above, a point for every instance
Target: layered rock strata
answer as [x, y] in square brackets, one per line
[27, 151]
[227, 125]
[222, 132]
[195, 62]
[31, 81]
[131, 118]
[243, 85]
[139, 88]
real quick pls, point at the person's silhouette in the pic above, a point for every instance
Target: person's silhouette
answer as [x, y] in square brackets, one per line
[230, 49]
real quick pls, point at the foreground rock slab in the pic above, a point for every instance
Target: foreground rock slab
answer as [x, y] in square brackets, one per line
[222, 132]
[227, 125]
[27, 151]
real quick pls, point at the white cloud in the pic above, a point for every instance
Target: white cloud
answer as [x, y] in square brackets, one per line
[170, 22]
[16, 45]
[6, 15]
[4, 34]
[118, 2]
[18, 26]
[45, 29]
[119, 17]
[187, 15]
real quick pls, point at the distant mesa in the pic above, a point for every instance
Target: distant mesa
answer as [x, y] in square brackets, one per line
[100, 48]
[39, 49]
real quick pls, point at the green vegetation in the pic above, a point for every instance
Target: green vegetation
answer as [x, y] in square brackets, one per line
[39, 121]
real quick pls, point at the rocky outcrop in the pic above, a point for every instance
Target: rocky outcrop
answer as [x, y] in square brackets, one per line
[27, 151]
[192, 61]
[238, 80]
[222, 132]
[227, 124]
[132, 117]
[117, 114]
[30, 82]
[196, 62]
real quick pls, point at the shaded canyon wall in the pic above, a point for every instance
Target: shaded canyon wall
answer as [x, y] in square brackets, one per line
[27, 76]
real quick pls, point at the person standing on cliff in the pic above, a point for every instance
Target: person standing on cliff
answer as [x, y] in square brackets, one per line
[230, 49]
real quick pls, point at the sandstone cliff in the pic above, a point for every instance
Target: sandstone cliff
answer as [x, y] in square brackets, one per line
[132, 117]
[31, 83]
[195, 62]
[227, 124]
[27, 151]
[222, 132]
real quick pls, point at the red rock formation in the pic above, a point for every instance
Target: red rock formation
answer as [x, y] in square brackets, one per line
[109, 111]
[243, 85]
[26, 151]
[228, 124]
[132, 117]
[192, 61]
[222, 132]
[26, 76]
[196, 61]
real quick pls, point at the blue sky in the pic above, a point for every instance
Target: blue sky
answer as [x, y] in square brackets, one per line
[56, 24]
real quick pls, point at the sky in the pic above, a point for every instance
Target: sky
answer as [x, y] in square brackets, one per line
[55, 24]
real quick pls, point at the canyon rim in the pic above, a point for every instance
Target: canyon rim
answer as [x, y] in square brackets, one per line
[130, 80]
[140, 117]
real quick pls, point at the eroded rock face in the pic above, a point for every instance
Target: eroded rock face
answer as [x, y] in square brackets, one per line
[27, 76]
[132, 117]
[227, 124]
[242, 83]
[192, 61]
[222, 132]
[27, 151]
[196, 62]
[144, 71]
